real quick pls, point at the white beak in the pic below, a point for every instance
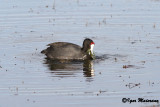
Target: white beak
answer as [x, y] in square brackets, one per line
[92, 46]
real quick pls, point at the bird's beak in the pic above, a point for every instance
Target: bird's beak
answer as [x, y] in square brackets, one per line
[92, 46]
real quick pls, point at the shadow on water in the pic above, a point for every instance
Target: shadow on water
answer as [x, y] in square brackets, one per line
[71, 68]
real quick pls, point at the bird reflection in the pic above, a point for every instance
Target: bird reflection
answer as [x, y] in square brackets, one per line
[88, 68]
[69, 69]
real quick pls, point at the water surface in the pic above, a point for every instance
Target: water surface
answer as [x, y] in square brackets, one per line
[126, 35]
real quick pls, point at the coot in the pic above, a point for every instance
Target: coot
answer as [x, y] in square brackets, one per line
[70, 51]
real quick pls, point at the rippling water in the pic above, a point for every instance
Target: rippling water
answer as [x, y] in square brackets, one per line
[126, 35]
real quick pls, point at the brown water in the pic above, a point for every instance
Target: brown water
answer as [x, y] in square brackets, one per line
[127, 42]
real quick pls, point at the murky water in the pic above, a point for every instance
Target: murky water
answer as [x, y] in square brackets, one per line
[126, 35]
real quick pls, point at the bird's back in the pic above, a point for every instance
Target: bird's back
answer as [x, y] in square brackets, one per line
[63, 50]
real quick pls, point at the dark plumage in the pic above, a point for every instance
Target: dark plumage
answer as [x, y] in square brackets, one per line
[69, 51]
